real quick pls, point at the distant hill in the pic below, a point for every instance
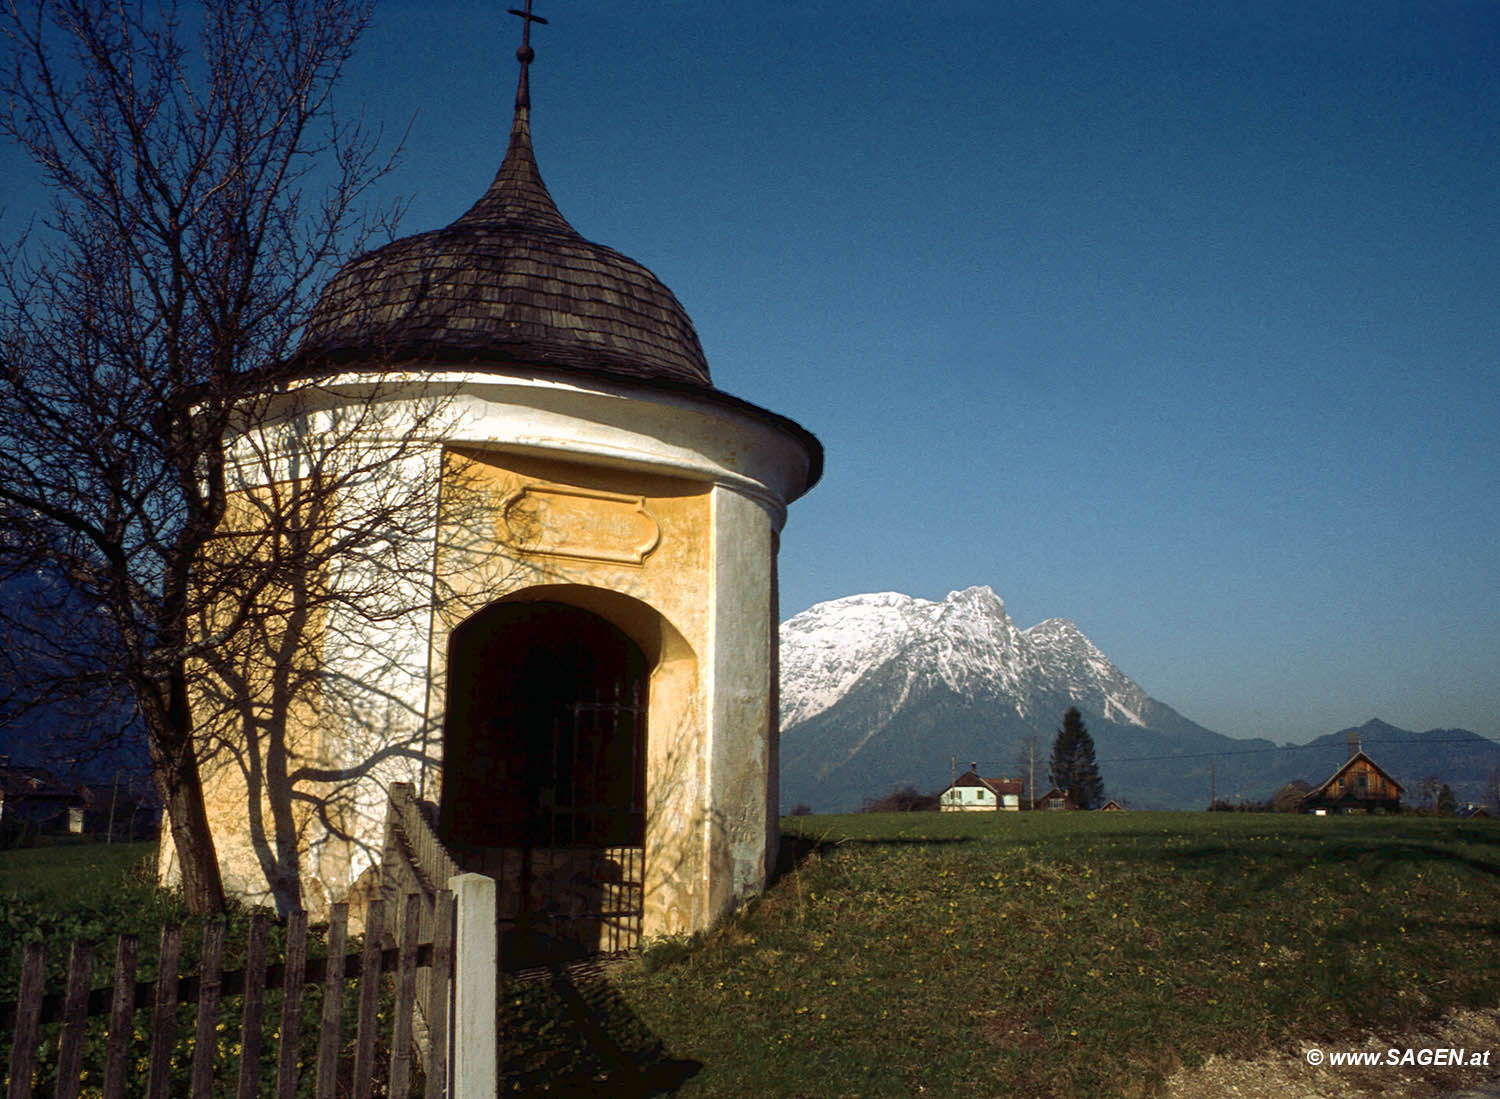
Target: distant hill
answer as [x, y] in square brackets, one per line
[884, 690]
[84, 733]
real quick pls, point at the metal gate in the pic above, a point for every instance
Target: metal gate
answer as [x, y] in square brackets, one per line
[598, 796]
[579, 887]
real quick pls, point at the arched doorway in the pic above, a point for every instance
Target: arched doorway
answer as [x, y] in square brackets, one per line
[544, 783]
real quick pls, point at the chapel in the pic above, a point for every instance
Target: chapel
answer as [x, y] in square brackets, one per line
[574, 668]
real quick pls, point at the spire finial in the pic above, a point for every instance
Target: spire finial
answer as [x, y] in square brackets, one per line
[525, 54]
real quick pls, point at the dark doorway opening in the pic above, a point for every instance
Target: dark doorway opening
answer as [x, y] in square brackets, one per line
[544, 784]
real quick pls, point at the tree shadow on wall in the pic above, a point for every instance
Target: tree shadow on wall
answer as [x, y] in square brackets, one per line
[565, 1031]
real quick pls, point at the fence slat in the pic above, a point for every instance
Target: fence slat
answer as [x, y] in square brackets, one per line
[121, 1016]
[255, 1005]
[75, 1020]
[474, 1074]
[333, 1003]
[406, 998]
[369, 999]
[439, 989]
[427, 932]
[210, 986]
[291, 1006]
[164, 1015]
[28, 1012]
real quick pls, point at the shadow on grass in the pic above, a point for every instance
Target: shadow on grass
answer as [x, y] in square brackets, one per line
[567, 1032]
[796, 848]
[1250, 863]
[1277, 863]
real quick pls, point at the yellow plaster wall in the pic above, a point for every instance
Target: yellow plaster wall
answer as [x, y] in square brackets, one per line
[639, 549]
[742, 753]
[258, 709]
[524, 527]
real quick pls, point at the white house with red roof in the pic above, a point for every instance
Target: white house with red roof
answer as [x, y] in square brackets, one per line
[971, 794]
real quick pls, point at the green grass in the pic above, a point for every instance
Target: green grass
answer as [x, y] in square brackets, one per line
[64, 872]
[1070, 954]
[1042, 954]
[93, 892]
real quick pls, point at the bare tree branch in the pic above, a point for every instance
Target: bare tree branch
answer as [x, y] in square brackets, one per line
[203, 186]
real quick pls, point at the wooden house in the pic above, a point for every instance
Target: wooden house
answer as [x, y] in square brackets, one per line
[34, 800]
[1054, 799]
[971, 793]
[1111, 806]
[1359, 786]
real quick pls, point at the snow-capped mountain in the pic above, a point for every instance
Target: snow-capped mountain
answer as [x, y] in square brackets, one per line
[885, 689]
[880, 691]
[967, 642]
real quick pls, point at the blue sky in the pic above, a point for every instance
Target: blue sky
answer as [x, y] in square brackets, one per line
[1179, 320]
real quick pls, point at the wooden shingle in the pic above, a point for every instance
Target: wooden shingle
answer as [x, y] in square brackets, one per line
[509, 282]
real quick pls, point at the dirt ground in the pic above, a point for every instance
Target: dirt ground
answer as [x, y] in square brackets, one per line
[1286, 1073]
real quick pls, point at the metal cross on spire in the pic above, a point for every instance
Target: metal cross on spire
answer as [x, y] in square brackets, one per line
[525, 54]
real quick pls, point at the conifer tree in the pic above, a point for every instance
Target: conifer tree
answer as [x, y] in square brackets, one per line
[1447, 804]
[1073, 769]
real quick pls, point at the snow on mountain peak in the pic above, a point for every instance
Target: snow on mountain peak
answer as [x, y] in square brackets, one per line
[967, 643]
[980, 596]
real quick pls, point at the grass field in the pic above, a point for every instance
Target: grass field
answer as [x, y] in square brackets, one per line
[88, 891]
[66, 872]
[1011, 954]
[1071, 954]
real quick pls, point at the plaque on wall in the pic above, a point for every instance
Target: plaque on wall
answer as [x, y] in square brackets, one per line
[556, 521]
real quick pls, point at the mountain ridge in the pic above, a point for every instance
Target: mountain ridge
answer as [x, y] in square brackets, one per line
[884, 690]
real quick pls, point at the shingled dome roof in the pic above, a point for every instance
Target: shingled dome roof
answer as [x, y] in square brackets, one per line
[510, 283]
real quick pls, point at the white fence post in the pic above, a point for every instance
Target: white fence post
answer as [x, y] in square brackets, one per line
[473, 1074]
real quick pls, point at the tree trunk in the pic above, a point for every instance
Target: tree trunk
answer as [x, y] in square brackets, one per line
[176, 769]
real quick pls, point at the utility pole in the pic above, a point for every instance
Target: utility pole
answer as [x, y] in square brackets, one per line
[1213, 783]
[109, 834]
[1031, 751]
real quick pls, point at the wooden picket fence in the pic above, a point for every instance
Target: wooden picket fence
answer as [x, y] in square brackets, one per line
[78, 1002]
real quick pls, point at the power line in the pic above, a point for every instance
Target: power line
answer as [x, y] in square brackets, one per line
[1481, 742]
[1293, 748]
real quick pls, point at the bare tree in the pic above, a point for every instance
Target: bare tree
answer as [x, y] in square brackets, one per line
[203, 186]
[314, 611]
[1427, 792]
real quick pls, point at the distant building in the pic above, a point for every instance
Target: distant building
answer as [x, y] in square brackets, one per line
[1054, 799]
[34, 800]
[970, 794]
[1359, 786]
[1111, 806]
